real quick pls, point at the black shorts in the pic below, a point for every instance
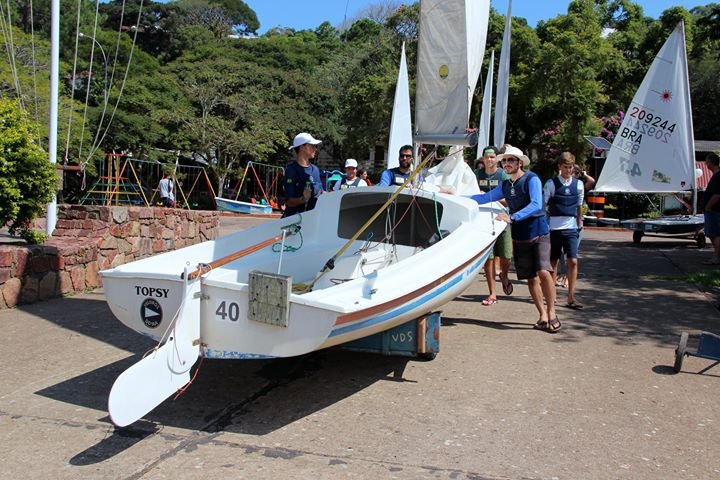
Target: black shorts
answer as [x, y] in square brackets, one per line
[531, 256]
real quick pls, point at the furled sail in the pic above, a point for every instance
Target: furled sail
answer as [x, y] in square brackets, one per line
[484, 126]
[503, 86]
[653, 150]
[401, 123]
[450, 54]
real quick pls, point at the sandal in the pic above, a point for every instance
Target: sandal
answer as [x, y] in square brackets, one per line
[554, 326]
[540, 325]
[507, 285]
[489, 301]
[574, 305]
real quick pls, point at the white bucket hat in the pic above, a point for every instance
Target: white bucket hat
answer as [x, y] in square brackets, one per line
[511, 151]
[351, 162]
[303, 138]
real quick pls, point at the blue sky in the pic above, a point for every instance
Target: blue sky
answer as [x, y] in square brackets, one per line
[308, 14]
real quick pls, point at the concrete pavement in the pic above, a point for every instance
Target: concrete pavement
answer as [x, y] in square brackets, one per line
[501, 400]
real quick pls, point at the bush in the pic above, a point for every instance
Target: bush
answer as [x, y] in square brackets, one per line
[27, 178]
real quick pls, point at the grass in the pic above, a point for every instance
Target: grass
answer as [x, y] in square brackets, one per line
[709, 278]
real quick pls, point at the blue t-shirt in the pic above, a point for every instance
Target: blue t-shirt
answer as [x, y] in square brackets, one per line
[295, 180]
[393, 176]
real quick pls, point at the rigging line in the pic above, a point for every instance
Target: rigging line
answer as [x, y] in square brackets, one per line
[109, 83]
[72, 92]
[127, 71]
[10, 45]
[90, 71]
[34, 74]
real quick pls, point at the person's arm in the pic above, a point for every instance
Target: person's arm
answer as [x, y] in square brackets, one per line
[536, 201]
[714, 199]
[581, 198]
[386, 179]
[548, 192]
[493, 195]
[588, 181]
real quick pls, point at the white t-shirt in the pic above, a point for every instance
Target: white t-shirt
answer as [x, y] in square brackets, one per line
[166, 189]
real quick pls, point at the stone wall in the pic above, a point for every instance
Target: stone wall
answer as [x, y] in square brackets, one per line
[88, 239]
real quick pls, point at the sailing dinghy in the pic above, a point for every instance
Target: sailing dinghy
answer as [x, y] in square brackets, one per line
[363, 261]
[654, 149]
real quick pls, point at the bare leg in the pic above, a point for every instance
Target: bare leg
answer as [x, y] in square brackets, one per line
[537, 295]
[716, 249]
[547, 285]
[572, 278]
[490, 277]
[554, 264]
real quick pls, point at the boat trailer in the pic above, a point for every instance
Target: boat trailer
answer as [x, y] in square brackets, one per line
[416, 338]
[708, 348]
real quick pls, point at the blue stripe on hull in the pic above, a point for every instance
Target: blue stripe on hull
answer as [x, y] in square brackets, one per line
[412, 305]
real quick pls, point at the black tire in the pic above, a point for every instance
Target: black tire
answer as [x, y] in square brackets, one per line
[429, 356]
[637, 236]
[700, 240]
[680, 352]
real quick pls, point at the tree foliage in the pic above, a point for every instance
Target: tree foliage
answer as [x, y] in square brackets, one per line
[27, 179]
[192, 88]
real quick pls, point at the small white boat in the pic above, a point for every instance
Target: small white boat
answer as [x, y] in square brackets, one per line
[227, 205]
[272, 299]
[363, 261]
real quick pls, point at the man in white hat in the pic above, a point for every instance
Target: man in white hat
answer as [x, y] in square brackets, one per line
[351, 179]
[530, 232]
[301, 182]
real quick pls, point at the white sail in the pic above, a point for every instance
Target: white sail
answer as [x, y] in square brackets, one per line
[401, 123]
[450, 54]
[653, 150]
[503, 86]
[484, 126]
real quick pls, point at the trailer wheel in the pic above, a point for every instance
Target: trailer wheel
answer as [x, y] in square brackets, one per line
[637, 236]
[680, 352]
[700, 240]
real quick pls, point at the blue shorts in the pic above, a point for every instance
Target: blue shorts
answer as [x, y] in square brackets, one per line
[712, 224]
[564, 241]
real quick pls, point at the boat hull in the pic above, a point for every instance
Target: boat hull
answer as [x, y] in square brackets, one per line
[373, 287]
[227, 205]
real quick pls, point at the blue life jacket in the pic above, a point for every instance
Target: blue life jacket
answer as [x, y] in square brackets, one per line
[517, 196]
[564, 202]
[345, 183]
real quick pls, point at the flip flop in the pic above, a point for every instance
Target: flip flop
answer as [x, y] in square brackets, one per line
[553, 326]
[489, 301]
[507, 285]
[574, 305]
[540, 325]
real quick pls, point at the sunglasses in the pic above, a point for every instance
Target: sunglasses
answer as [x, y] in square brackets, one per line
[510, 160]
[406, 155]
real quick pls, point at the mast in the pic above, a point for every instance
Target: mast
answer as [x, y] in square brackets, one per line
[51, 216]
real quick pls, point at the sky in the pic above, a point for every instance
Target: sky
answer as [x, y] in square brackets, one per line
[308, 14]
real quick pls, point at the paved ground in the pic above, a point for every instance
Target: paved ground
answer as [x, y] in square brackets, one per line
[501, 400]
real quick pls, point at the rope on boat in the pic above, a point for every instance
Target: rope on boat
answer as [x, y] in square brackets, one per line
[204, 268]
[330, 264]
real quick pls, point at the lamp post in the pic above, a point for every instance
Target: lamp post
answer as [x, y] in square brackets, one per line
[105, 62]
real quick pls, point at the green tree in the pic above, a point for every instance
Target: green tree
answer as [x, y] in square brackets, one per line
[27, 178]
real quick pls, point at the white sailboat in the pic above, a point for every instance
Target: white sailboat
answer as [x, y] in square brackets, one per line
[401, 122]
[363, 261]
[503, 86]
[450, 55]
[654, 149]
